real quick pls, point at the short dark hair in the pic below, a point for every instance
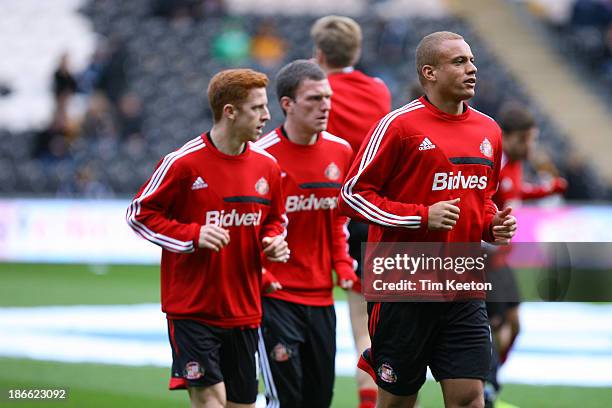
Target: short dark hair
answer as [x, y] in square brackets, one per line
[428, 50]
[514, 117]
[293, 74]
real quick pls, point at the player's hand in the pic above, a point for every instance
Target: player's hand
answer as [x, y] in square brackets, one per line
[504, 226]
[213, 237]
[346, 278]
[269, 283]
[443, 215]
[559, 185]
[276, 249]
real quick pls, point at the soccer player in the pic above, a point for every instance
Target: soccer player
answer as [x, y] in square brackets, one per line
[358, 102]
[299, 321]
[215, 206]
[519, 133]
[397, 184]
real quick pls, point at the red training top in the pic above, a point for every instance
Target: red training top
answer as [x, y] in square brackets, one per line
[416, 156]
[358, 102]
[196, 185]
[312, 176]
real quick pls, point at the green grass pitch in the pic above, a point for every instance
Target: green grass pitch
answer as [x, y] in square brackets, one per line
[99, 385]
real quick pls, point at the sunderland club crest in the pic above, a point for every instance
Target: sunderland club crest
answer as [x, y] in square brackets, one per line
[387, 374]
[332, 171]
[486, 148]
[262, 186]
[193, 370]
[280, 353]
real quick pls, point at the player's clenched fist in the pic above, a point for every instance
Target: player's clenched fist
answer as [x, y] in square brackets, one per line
[213, 237]
[504, 226]
[276, 248]
[443, 215]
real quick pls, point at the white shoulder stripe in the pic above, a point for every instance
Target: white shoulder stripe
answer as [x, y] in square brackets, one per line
[359, 203]
[483, 114]
[266, 137]
[261, 151]
[168, 243]
[333, 138]
[268, 143]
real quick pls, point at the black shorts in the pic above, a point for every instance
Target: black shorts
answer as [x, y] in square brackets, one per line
[452, 338]
[298, 354]
[204, 355]
[358, 234]
[504, 296]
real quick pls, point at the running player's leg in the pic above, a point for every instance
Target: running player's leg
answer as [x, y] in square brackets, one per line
[462, 354]
[367, 388]
[319, 358]
[283, 330]
[463, 393]
[196, 362]
[240, 366]
[403, 335]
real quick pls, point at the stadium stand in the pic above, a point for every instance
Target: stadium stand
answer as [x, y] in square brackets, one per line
[160, 59]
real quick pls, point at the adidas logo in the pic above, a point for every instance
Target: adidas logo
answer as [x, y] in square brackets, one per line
[198, 184]
[426, 144]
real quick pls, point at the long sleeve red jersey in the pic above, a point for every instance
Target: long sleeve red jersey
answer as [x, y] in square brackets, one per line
[312, 176]
[416, 156]
[197, 185]
[358, 102]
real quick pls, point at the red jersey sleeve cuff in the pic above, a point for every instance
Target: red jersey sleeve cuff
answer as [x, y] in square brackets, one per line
[424, 213]
[487, 233]
[195, 234]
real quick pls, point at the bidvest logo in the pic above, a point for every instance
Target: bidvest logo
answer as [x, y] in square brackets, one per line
[448, 181]
[301, 203]
[233, 218]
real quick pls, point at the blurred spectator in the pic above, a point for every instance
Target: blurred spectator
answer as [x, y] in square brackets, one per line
[129, 116]
[51, 143]
[113, 78]
[232, 45]
[99, 122]
[64, 83]
[90, 77]
[5, 89]
[267, 48]
[85, 184]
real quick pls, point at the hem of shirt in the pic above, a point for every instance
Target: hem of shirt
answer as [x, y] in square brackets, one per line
[323, 299]
[248, 322]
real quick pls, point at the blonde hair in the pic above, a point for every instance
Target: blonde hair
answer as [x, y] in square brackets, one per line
[338, 38]
[428, 50]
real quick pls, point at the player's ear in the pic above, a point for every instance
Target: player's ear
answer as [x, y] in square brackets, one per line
[428, 72]
[285, 103]
[229, 111]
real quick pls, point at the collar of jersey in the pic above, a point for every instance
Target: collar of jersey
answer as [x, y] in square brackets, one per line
[444, 115]
[217, 152]
[283, 135]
